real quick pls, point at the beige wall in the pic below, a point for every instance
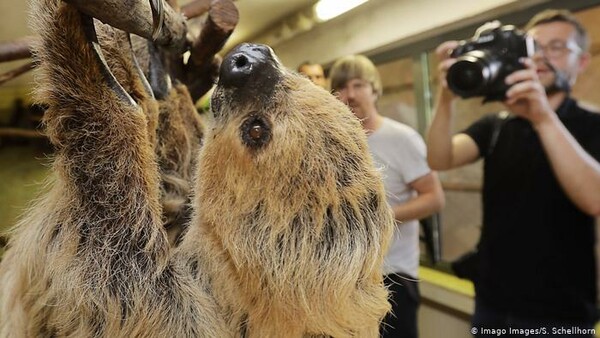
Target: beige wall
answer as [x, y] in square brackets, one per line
[13, 24]
[586, 87]
[446, 305]
[382, 24]
[436, 323]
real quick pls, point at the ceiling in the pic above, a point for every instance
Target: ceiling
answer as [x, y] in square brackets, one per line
[256, 16]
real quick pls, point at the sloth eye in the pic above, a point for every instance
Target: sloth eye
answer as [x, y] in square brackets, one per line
[256, 131]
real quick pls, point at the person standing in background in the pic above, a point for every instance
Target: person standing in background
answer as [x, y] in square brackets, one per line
[536, 263]
[314, 72]
[413, 190]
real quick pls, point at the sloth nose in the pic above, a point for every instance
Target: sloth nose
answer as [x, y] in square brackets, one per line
[245, 61]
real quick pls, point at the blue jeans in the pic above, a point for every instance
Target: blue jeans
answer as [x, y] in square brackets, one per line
[489, 322]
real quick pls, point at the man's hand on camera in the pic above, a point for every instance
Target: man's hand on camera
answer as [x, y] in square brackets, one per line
[443, 53]
[527, 97]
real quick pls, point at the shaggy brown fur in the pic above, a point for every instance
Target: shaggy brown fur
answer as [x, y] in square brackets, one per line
[123, 64]
[289, 229]
[293, 228]
[91, 258]
[179, 138]
[174, 125]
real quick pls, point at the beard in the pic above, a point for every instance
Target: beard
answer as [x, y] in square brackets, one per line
[560, 81]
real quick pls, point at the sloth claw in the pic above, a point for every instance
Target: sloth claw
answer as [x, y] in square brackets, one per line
[90, 33]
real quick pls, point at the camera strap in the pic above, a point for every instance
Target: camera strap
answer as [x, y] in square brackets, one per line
[501, 118]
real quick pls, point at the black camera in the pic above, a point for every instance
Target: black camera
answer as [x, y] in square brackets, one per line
[484, 61]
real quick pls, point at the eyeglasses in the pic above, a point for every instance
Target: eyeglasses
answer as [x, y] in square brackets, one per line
[557, 48]
[354, 84]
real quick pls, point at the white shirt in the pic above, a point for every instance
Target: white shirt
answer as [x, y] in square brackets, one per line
[399, 151]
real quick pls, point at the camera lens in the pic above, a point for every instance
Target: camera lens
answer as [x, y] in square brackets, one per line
[465, 77]
[472, 74]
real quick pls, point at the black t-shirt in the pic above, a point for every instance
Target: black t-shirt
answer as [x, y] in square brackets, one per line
[537, 257]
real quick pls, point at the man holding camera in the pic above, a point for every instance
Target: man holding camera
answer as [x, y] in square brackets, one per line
[536, 262]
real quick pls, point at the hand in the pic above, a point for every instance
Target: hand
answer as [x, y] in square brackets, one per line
[527, 96]
[443, 53]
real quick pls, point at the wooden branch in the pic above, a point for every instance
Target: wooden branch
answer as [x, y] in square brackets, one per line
[203, 79]
[196, 8]
[17, 49]
[15, 72]
[19, 132]
[174, 4]
[223, 16]
[202, 65]
[136, 17]
[21, 48]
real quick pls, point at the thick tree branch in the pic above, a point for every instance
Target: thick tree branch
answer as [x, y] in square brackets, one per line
[136, 17]
[174, 4]
[15, 72]
[19, 132]
[195, 8]
[223, 16]
[202, 65]
[17, 49]
[21, 48]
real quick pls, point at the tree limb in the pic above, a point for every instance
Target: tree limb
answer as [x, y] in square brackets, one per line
[195, 9]
[136, 17]
[202, 65]
[21, 48]
[15, 72]
[17, 49]
[201, 70]
[19, 132]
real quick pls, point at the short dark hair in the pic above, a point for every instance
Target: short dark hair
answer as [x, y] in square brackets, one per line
[561, 15]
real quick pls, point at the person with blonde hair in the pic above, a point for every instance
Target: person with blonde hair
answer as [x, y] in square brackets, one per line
[413, 190]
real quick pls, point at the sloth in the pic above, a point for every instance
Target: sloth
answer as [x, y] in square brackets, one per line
[90, 258]
[179, 132]
[290, 211]
[288, 221]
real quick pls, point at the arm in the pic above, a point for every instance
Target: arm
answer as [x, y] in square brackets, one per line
[577, 172]
[429, 199]
[445, 151]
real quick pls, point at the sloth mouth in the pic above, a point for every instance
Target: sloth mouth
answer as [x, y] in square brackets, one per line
[216, 103]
